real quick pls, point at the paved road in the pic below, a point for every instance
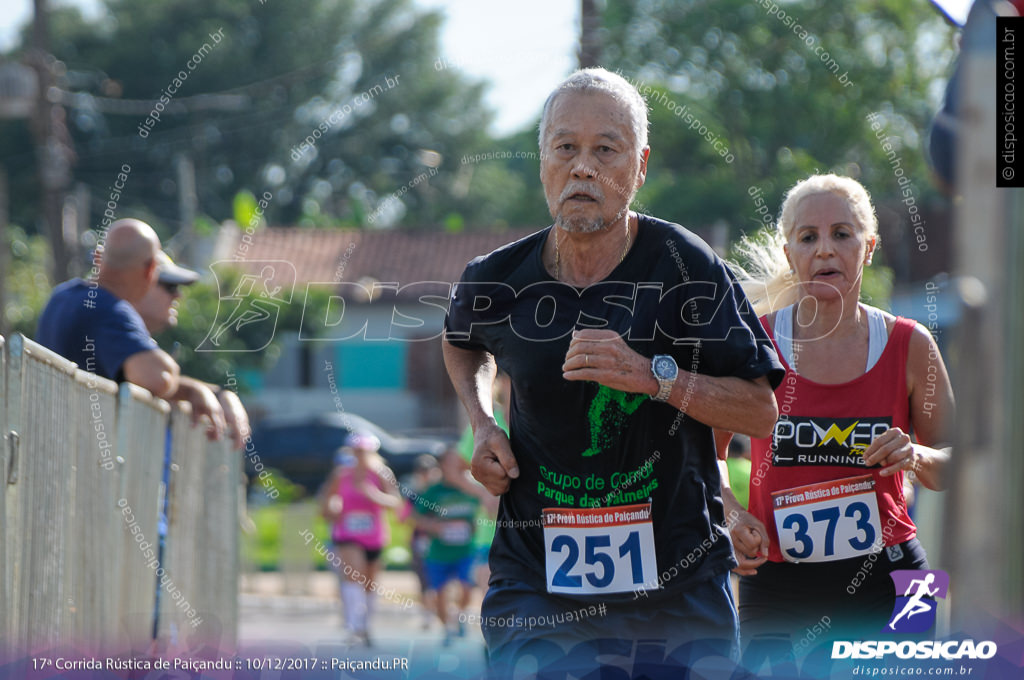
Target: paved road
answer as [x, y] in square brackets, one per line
[303, 619]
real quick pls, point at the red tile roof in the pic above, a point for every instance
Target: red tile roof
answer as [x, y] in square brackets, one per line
[325, 255]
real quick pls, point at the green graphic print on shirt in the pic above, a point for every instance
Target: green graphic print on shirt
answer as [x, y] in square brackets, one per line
[607, 414]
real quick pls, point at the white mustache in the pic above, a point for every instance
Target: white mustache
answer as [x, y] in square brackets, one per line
[581, 188]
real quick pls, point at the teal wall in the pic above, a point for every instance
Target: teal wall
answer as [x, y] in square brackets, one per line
[377, 365]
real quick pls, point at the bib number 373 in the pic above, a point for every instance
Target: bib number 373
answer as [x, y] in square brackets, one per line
[599, 550]
[828, 521]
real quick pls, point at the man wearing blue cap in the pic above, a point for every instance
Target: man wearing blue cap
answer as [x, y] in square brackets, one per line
[159, 311]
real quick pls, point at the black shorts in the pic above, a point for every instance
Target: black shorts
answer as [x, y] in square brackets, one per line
[372, 554]
[526, 628]
[843, 597]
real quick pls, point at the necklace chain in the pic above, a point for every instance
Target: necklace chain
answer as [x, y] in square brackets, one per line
[622, 257]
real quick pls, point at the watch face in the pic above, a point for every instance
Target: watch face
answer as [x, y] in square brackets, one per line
[664, 367]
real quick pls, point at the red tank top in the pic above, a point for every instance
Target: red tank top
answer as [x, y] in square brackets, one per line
[823, 430]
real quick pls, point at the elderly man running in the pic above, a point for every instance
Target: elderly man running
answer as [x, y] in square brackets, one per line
[626, 342]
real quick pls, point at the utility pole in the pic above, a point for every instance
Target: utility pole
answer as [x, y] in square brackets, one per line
[590, 29]
[187, 201]
[53, 142]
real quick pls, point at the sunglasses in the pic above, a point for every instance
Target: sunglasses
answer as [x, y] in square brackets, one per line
[171, 288]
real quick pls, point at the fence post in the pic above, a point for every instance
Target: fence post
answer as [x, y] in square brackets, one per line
[218, 540]
[202, 537]
[40, 502]
[6, 442]
[141, 429]
[98, 525]
[184, 508]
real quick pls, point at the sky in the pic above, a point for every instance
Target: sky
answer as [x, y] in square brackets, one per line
[524, 48]
[955, 9]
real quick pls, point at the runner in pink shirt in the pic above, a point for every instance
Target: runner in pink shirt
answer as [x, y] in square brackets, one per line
[360, 491]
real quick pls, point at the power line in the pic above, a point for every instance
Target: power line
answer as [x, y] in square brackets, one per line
[233, 99]
[142, 107]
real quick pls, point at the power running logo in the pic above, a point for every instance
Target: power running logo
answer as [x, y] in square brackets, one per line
[914, 612]
[800, 440]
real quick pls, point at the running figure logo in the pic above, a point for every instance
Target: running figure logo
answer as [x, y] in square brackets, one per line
[914, 611]
[254, 299]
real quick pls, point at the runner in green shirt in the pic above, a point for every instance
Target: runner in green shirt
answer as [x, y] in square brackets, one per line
[448, 515]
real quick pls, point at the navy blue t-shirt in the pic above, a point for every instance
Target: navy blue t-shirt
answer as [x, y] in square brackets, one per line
[92, 327]
[579, 444]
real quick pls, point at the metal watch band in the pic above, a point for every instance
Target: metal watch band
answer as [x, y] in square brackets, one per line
[664, 389]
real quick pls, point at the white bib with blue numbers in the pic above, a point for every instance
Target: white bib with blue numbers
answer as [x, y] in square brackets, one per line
[599, 550]
[828, 521]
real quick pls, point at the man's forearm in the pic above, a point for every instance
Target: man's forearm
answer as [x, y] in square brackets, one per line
[154, 370]
[730, 403]
[733, 404]
[472, 374]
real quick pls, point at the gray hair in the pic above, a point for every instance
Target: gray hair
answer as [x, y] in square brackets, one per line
[591, 80]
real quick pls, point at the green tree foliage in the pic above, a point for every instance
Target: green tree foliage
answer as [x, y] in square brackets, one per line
[750, 96]
[290, 67]
[200, 309]
[786, 88]
[503, 178]
[27, 286]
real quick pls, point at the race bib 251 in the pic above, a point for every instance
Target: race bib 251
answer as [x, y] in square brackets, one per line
[599, 550]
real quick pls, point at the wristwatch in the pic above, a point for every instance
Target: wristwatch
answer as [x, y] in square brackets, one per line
[665, 372]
